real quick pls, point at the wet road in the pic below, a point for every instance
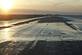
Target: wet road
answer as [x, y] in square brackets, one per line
[38, 35]
[38, 30]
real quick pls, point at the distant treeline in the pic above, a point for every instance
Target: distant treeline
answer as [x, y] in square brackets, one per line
[24, 16]
[10, 17]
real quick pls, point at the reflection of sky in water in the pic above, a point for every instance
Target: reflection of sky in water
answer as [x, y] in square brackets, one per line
[4, 23]
[6, 34]
[80, 26]
[50, 32]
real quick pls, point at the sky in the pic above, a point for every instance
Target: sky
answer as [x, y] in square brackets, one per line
[49, 5]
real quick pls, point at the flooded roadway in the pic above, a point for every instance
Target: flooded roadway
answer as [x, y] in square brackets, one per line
[38, 36]
[56, 31]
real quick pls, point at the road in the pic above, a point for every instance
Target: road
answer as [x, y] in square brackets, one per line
[29, 34]
[41, 30]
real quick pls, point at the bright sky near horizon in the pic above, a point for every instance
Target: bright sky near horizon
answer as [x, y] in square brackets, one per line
[68, 5]
[51, 5]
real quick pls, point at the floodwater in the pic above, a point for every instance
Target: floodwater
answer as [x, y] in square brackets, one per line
[6, 34]
[40, 37]
[39, 31]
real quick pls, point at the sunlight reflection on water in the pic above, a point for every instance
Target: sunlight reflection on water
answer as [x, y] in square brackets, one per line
[7, 33]
[6, 23]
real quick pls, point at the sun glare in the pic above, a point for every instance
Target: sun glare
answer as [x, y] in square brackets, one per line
[6, 5]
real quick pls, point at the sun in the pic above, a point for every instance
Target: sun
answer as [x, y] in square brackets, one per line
[6, 5]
